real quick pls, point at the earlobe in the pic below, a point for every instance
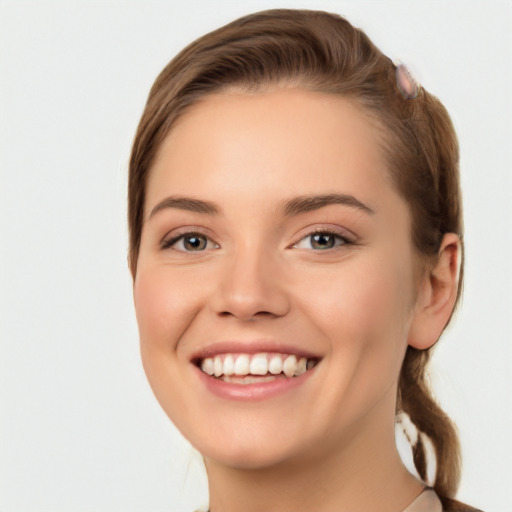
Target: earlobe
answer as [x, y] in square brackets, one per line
[437, 295]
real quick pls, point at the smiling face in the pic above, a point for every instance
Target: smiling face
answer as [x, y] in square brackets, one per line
[272, 228]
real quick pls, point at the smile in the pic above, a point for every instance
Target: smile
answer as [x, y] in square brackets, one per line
[255, 368]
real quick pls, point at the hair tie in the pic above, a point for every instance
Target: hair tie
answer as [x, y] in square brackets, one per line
[414, 436]
[408, 86]
[408, 428]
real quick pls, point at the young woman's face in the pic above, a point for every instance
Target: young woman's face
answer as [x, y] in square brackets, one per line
[273, 241]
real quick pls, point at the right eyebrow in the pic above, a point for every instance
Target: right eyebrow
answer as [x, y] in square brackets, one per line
[185, 203]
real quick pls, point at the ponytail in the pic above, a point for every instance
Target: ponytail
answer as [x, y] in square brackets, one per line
[415, 398]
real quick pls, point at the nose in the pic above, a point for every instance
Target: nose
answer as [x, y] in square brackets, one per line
[251, 286]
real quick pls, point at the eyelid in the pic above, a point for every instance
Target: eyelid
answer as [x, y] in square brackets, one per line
[347, 236]
[173, 236]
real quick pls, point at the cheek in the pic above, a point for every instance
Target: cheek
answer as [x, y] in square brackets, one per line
[364, 310]
[362, 297]
[164, 306]
[383, 300]
[164, 310]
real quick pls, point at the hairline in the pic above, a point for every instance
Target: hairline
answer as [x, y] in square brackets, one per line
[305, 82]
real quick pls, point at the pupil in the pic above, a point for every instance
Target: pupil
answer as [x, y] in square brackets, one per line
[195, 243]
[323, 241]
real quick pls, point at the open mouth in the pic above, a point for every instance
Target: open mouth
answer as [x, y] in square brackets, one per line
[255, 368]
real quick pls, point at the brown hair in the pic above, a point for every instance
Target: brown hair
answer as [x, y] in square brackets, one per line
[324, 52]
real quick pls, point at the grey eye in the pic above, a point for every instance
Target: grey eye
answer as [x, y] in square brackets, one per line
[190, 242]
[194, 243]
[321, 241]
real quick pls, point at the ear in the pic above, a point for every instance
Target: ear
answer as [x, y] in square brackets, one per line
[436, 296]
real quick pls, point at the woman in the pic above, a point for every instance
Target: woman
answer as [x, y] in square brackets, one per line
[296, 249]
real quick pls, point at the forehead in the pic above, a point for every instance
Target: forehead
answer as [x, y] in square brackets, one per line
[284, 140]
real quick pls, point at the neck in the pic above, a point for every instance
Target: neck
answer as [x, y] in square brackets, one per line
[362, 473]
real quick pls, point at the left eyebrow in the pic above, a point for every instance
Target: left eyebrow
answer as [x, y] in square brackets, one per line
[305, 204]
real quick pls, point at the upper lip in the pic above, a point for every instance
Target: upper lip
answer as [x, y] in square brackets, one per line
[250, 347]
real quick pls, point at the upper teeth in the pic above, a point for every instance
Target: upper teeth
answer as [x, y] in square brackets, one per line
[256, 364]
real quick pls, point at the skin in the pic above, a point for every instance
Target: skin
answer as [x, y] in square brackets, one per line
[328, 444]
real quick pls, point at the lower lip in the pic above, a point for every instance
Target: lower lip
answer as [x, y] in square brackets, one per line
[252, 392]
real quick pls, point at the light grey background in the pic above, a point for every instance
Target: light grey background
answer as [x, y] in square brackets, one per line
[79, 427]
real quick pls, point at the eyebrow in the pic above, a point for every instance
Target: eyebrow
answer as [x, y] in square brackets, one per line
[185, 203]
[305, 204]
[295, 206]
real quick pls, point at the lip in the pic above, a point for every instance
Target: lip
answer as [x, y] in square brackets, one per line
[251, 392]
[250, 347]
[255, 391]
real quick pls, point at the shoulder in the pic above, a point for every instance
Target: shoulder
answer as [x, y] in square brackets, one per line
[450, 505]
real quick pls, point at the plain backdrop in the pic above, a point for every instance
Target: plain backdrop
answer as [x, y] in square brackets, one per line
[79, 427]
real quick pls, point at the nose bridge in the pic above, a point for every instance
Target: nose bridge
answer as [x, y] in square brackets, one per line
[252, 284]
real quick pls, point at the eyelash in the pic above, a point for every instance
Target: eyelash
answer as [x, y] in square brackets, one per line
[342, 240]
[167, 244]
[339, 239]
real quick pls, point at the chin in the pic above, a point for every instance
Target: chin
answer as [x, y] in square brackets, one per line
[250, 449]
[248, 458]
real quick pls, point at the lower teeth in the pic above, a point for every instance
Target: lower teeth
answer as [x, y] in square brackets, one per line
[249, 379]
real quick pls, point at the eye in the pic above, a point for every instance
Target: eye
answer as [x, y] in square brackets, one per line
[189, 242]
[321, 241]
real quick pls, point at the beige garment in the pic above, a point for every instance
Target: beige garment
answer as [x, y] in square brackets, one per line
[427, 501]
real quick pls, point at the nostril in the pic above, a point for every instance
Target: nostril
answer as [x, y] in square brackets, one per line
[249, 316]
[265, 313]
